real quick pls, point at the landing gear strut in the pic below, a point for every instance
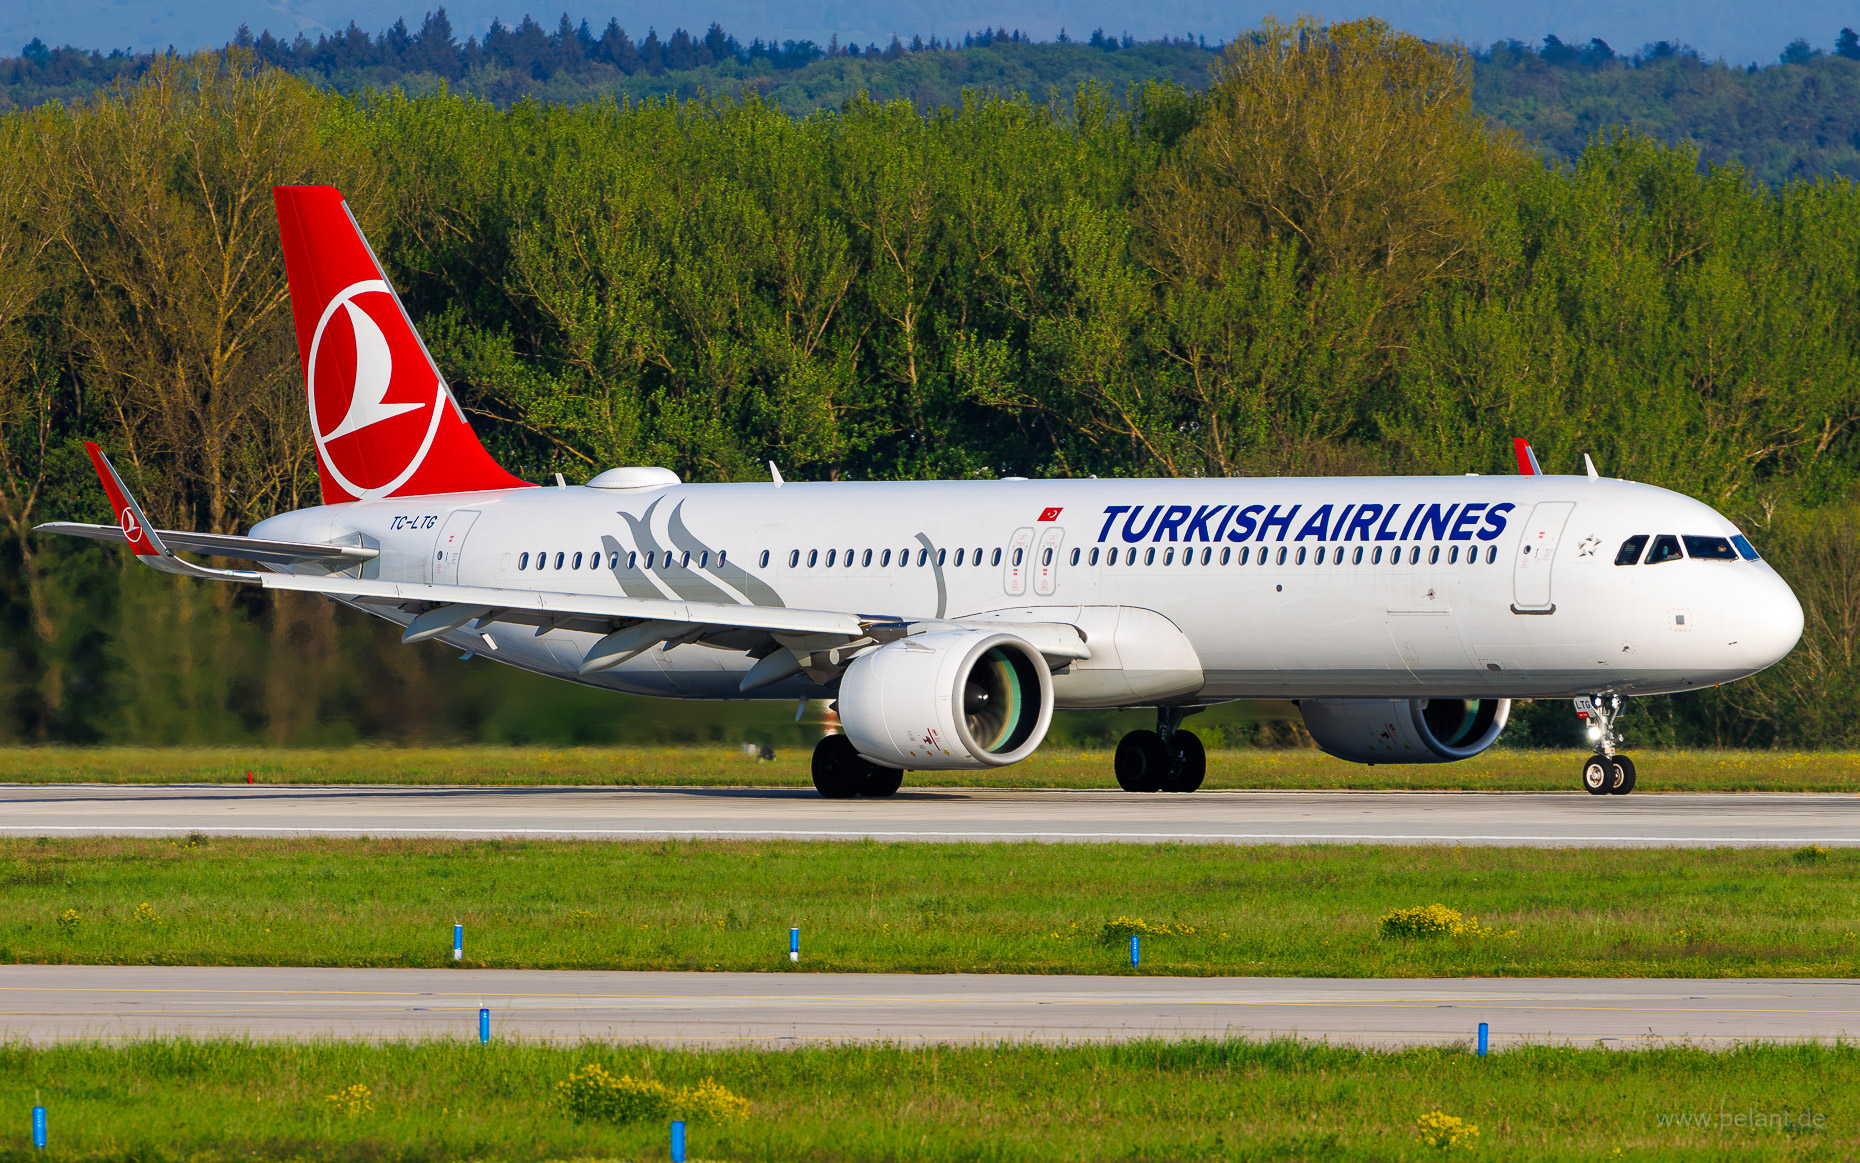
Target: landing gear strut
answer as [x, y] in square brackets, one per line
[1604, 773]
[840, 772]
[1166, 759]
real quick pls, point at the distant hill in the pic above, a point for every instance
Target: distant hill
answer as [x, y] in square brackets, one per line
[1796, 119]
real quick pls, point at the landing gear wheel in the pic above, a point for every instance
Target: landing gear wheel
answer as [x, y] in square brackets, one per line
[1598, 774]
[1623, 776]
[1142, 761]
[882, 782]
[1191, 762]
[840, 772]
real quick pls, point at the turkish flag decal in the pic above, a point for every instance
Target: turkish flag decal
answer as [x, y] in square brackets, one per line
[1049, 514]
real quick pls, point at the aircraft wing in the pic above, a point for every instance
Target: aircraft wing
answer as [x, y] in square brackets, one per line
[783, 641]
[225, 545]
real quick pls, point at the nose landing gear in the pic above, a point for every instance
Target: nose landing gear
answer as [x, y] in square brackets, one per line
[1166, 759]
[1604, 773]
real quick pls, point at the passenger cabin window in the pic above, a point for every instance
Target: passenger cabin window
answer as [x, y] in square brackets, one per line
[884, 559]
[1665, 548]
[1301, 556]
[865, 560]
[1074, 560]
[523, 561]
[940, 554]
[1281, 556]
[794, 558]
[960, 552]
[558, 560]
[1094, 556]
[813, 558]
[632, 560]
[1744, 547]
[1629, 553]
[762, 562]
[1709, 548]
[722, 556]
[1226, 555]
[1168, 557]
[849, 559]
[995, 558]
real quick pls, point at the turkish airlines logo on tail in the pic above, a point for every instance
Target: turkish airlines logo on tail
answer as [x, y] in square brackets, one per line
[369, 383]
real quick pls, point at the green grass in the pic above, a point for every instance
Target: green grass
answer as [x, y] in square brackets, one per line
[1497, 770]
[1226, 1100]
[866, 906]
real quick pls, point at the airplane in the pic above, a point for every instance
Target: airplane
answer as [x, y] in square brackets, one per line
[1398, 617]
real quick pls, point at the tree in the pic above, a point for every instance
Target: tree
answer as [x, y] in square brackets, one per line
[1353, 142]
[1799, 52]
[1847, 45]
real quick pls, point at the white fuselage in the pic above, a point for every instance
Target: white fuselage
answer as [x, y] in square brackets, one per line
[1459, 587]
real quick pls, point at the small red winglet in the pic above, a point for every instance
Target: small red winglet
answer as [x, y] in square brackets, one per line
[128, 513]
[1527, 460]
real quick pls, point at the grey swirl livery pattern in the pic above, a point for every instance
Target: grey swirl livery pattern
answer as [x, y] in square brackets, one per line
[683, 581]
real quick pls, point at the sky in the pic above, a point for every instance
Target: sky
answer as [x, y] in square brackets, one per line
[1739, 32]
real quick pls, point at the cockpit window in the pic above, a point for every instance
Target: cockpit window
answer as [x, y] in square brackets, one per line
[1665, 548]
[1630, 550]
[1709, 548]
[1744, 547]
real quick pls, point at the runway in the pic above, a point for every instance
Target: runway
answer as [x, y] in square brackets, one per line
[931, 814]
[45, 1004]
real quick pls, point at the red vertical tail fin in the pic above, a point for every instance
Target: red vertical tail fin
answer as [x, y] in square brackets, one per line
[384, 421]
[1527, 459]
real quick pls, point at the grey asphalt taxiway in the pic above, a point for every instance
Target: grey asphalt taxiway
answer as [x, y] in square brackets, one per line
[44, 1004]
[936, 814]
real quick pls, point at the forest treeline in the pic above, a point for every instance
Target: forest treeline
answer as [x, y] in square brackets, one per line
[1795, 117]
[1322, 262]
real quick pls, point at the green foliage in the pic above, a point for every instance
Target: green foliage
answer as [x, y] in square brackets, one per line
[890, 289]
[1269, 910]
[1199, 1099]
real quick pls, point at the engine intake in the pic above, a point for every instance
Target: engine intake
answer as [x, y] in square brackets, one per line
[956, 699]
[1405, 730]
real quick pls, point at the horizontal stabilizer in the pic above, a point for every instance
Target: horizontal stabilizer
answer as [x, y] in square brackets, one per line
[223, 544]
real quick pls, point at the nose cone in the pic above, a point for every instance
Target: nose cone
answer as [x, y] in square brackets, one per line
[1770, 622]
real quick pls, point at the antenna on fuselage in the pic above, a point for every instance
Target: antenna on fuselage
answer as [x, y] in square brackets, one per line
[1590, 465]
[776, 474]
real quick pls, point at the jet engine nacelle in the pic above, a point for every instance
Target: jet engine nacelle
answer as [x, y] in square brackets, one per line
[1405, 730]
[955, 699]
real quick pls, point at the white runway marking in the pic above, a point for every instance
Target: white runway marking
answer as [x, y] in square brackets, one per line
[937, 814]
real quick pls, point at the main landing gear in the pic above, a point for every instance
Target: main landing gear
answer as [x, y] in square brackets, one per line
[1604, 773]
[1166, 759]
[840, 772]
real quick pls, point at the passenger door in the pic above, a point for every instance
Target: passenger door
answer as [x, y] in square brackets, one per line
[1530, 573]
[450, 545]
